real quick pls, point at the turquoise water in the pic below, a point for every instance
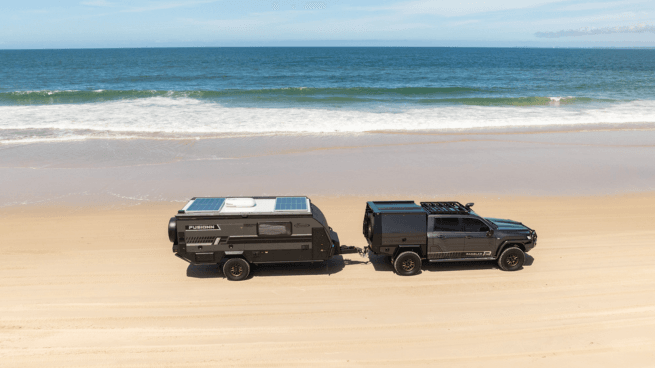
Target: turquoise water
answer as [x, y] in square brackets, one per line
[73, 94]
[297, 76]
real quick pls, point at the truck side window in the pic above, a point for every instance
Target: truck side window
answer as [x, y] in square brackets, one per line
[446, 224]
[403, 223]
[273, 228]
[472, 225]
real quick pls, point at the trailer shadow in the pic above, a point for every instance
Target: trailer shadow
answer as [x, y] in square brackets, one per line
[204, 271]
[331, 266]
[383, 263]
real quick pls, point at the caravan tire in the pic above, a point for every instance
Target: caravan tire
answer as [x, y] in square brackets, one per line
[236, 269]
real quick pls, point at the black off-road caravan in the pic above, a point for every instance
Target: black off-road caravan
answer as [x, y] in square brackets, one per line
[239, 232]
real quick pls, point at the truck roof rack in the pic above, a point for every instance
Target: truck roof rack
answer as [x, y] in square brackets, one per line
[394, 206]
[441, 208]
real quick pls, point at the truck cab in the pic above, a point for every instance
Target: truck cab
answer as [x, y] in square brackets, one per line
[443, 231]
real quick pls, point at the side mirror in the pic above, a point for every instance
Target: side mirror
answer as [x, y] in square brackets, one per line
[490, 233]
[469, 205]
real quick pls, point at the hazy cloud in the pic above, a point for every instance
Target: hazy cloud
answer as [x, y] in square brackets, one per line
[594, 6]
[97, 3]
[588, 31]
[448, 8]
[167, 5]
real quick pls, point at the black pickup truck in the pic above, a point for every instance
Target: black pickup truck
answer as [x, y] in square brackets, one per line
[442, 232]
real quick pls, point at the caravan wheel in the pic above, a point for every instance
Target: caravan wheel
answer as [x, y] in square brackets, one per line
[236, 269]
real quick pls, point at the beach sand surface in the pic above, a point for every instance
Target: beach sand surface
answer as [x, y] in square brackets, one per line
[94, 286]
[531, 162]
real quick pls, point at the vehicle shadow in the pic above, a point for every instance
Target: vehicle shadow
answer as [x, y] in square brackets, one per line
[383, 263]
[529, 260]
[469, 265]
[204, 271]
[331, 266]
[380, 263]
[336, 264]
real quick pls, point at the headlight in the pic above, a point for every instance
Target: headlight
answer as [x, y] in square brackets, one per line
[529, 237]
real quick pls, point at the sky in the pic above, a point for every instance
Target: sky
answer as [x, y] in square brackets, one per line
[196, 23]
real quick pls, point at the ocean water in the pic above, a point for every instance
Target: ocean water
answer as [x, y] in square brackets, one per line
[59, 95]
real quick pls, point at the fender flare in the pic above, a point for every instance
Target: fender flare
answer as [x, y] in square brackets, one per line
[507, 244]
[407, 247]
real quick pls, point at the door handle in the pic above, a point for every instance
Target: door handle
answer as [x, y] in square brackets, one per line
[440, 236]
[468, 237]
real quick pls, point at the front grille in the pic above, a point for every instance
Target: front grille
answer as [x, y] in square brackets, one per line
[201, 240]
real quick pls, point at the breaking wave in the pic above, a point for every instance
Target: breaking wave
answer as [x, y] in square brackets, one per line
[166, 117]
[297, 97]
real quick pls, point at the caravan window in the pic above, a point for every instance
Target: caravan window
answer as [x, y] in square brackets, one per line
[273, 228]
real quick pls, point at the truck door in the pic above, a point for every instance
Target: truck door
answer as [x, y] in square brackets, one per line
[445, 236]
[476, 239]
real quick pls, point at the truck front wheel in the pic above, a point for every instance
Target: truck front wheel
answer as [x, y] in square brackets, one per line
[236, 269]
[511, 259]
[407, 264]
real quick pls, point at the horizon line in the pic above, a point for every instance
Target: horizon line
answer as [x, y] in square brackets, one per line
[329, 46]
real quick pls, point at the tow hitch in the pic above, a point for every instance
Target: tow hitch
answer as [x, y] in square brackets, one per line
[347, 249]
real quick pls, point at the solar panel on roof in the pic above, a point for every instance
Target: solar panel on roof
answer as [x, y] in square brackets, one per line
[206, 204]
[291, 204]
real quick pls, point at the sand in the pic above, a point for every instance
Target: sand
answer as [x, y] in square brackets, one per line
[536, 162]
[99, 286]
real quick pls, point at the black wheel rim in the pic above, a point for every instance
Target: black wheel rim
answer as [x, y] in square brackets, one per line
[408, 265]
[512, 260]
[236, 270]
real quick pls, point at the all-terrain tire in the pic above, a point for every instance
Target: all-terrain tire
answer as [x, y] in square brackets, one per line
[369, 228]
[236, 269]
[511, 259]
[407, 264]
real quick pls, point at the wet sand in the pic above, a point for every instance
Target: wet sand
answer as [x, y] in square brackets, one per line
[574, 161]
[98, 285]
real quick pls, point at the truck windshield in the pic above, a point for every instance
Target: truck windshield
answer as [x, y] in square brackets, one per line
[318, 216]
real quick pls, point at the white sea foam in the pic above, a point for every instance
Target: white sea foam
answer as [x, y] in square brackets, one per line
[560, 98]
[125, 118]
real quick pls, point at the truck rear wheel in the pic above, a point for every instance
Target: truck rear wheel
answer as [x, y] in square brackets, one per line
[511, 259]
[407, 264]
[236, 269]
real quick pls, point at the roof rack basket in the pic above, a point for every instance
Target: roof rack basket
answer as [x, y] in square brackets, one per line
[441, 208]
